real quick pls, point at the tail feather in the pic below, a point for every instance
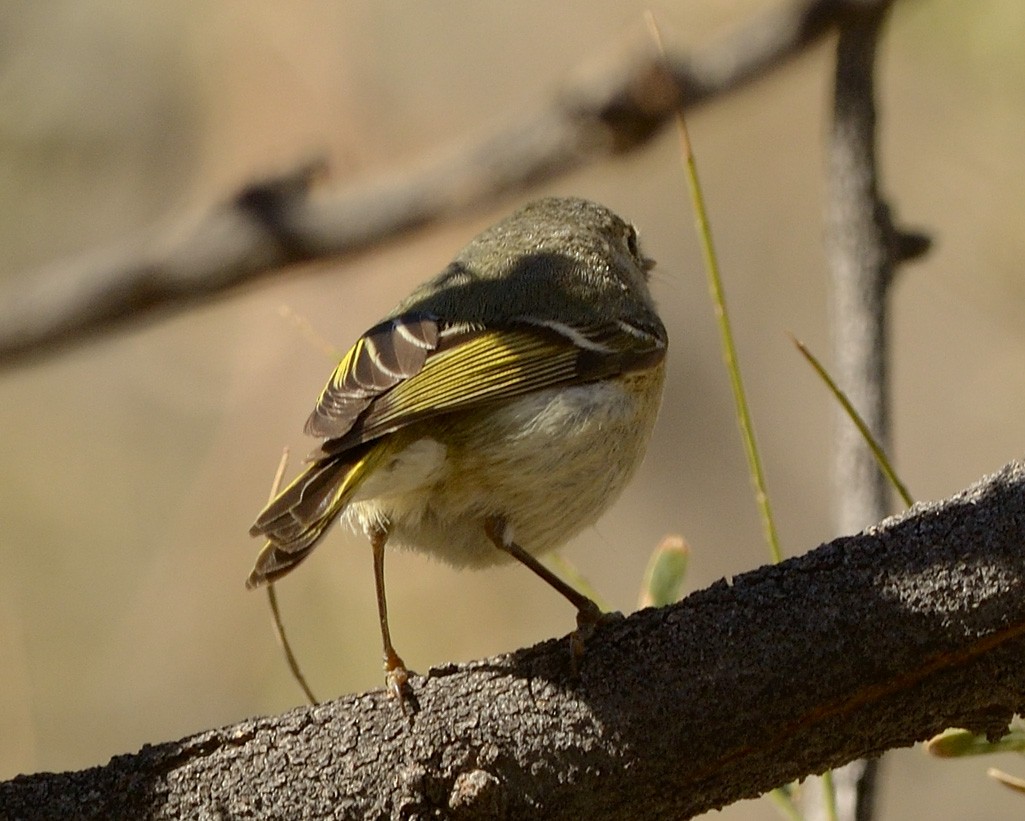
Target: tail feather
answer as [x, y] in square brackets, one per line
[304, 501]
[298, 517]
[275, 561]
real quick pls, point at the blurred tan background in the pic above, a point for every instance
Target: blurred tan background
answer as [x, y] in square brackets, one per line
[133, 466]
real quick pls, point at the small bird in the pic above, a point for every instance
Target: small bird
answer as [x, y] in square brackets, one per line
[494, 414]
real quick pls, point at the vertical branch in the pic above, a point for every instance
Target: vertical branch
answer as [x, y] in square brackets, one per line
[861, 268]
[864, 250]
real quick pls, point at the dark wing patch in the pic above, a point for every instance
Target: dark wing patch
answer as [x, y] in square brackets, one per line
[384, 356]
[472, 367]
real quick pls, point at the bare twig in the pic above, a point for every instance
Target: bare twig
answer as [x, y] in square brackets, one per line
[849, 410]
[867, 643]
[275, 611]
[717, 296]
[273, 224]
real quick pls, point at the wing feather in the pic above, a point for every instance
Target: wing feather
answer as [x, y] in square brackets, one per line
[383, 357]
[412, 368]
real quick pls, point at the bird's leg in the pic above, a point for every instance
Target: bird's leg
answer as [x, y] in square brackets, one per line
[395, 674]
[588, 613]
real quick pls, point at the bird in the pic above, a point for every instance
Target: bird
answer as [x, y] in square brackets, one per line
[495, 413]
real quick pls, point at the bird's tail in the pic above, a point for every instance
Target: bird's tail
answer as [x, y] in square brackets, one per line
[299, 516]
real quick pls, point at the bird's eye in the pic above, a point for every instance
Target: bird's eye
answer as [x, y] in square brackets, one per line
[634, 247]
[631, 242]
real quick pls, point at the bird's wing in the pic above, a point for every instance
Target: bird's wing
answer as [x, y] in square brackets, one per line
[389, 353]
[414, 367]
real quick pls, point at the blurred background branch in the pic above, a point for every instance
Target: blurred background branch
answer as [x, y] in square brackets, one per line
[608, 109]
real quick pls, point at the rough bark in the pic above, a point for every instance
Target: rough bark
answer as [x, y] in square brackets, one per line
[864, 644]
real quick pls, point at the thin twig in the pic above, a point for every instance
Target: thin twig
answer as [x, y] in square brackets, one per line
[272, 599]
[877, 449]
[729, 348]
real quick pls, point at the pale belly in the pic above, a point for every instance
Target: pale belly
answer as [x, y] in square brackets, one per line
[549, 464]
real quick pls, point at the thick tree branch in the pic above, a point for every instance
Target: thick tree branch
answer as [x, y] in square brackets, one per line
[268, 226]
[864, 644]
